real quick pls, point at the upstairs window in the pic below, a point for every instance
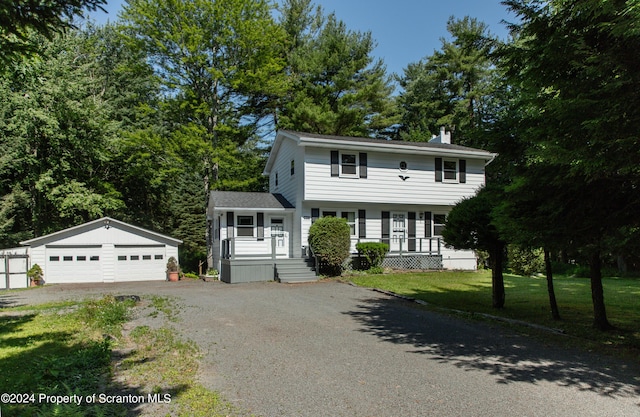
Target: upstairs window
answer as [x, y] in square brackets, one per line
[450, 170]
[348, 164]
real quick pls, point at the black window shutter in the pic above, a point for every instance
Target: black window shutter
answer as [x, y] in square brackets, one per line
[335, 164]
[438, 169]
[427, 224]
[315, 214]
[230, 224]
[385, 227]
[411, 245]
[363, 165]
[260, 226]
[362, 223]
[463, 170]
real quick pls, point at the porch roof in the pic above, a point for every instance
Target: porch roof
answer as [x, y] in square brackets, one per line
[237, 200]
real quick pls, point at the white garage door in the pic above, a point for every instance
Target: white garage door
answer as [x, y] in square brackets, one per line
[140, 263]
[73, 264]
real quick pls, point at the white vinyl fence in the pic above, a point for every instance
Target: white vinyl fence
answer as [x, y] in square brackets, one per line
[14, 264]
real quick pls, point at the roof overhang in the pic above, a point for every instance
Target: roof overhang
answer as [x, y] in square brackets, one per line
[102, 222]
[365, 144]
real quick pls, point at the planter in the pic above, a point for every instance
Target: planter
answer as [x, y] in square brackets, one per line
[173, 276]
[34, 283]
[208, 278]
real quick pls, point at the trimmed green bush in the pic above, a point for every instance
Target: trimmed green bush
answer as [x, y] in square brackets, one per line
[373, 253]
[330, 240]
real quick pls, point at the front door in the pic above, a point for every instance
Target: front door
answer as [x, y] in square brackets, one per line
[281, 237]
[398, 232]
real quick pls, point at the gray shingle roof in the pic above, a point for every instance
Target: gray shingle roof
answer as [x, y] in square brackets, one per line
[249, 200]
[398, 143]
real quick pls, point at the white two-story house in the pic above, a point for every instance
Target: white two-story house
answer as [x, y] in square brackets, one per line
[390, 191]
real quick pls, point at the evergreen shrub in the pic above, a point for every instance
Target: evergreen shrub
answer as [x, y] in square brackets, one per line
[330, 240]
[373, 253]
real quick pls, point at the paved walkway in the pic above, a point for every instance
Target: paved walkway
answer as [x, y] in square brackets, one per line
[330, 349]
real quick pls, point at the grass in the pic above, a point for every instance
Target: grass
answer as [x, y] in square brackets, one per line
[58, 350]
[71, 348]
[163, 363]
[527, 300]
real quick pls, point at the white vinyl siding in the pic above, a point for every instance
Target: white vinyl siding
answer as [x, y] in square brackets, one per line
[383, 183]
[92, 256]
[288, 160]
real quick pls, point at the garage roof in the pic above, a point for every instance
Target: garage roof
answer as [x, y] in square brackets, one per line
[102, 222]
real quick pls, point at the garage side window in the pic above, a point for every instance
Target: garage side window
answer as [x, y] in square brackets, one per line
[122, 257]
[54, 258]
[158, 257]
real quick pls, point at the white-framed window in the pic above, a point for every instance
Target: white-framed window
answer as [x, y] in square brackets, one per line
[450, 170]
[245, 226]
[349, 164]
[438, 224]
[350, 216]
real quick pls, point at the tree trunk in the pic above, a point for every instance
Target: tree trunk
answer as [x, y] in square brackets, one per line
[555, 313]
[600, 321]
[497, 279]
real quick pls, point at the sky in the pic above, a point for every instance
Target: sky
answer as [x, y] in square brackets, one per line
[405, 30]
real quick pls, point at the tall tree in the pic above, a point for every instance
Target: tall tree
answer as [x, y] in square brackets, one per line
[575, 66]
[18, 18]
[220, 63]
[55, 137]
[336, 87]
[452, 87]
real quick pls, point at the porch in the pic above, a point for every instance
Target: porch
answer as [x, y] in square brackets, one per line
[406, 253]
[246, 259]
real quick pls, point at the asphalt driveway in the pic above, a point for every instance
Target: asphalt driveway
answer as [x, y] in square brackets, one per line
[331, 349]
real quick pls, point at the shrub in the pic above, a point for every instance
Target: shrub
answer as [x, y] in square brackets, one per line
[35, 274]
[524, 261]
[376, 270]
[373, 252]
[330, 240]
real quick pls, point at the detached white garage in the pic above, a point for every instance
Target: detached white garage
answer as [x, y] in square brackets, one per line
[104, 250]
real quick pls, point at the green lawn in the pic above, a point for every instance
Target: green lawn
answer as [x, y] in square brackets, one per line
[53, 353]
[527, 300]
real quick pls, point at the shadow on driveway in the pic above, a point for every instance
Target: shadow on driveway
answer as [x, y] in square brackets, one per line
[480, 346]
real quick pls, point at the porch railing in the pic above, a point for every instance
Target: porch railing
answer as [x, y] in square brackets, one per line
[413, 246]
[252, 247]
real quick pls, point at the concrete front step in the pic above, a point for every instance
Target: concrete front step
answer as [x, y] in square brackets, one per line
[294, 270]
